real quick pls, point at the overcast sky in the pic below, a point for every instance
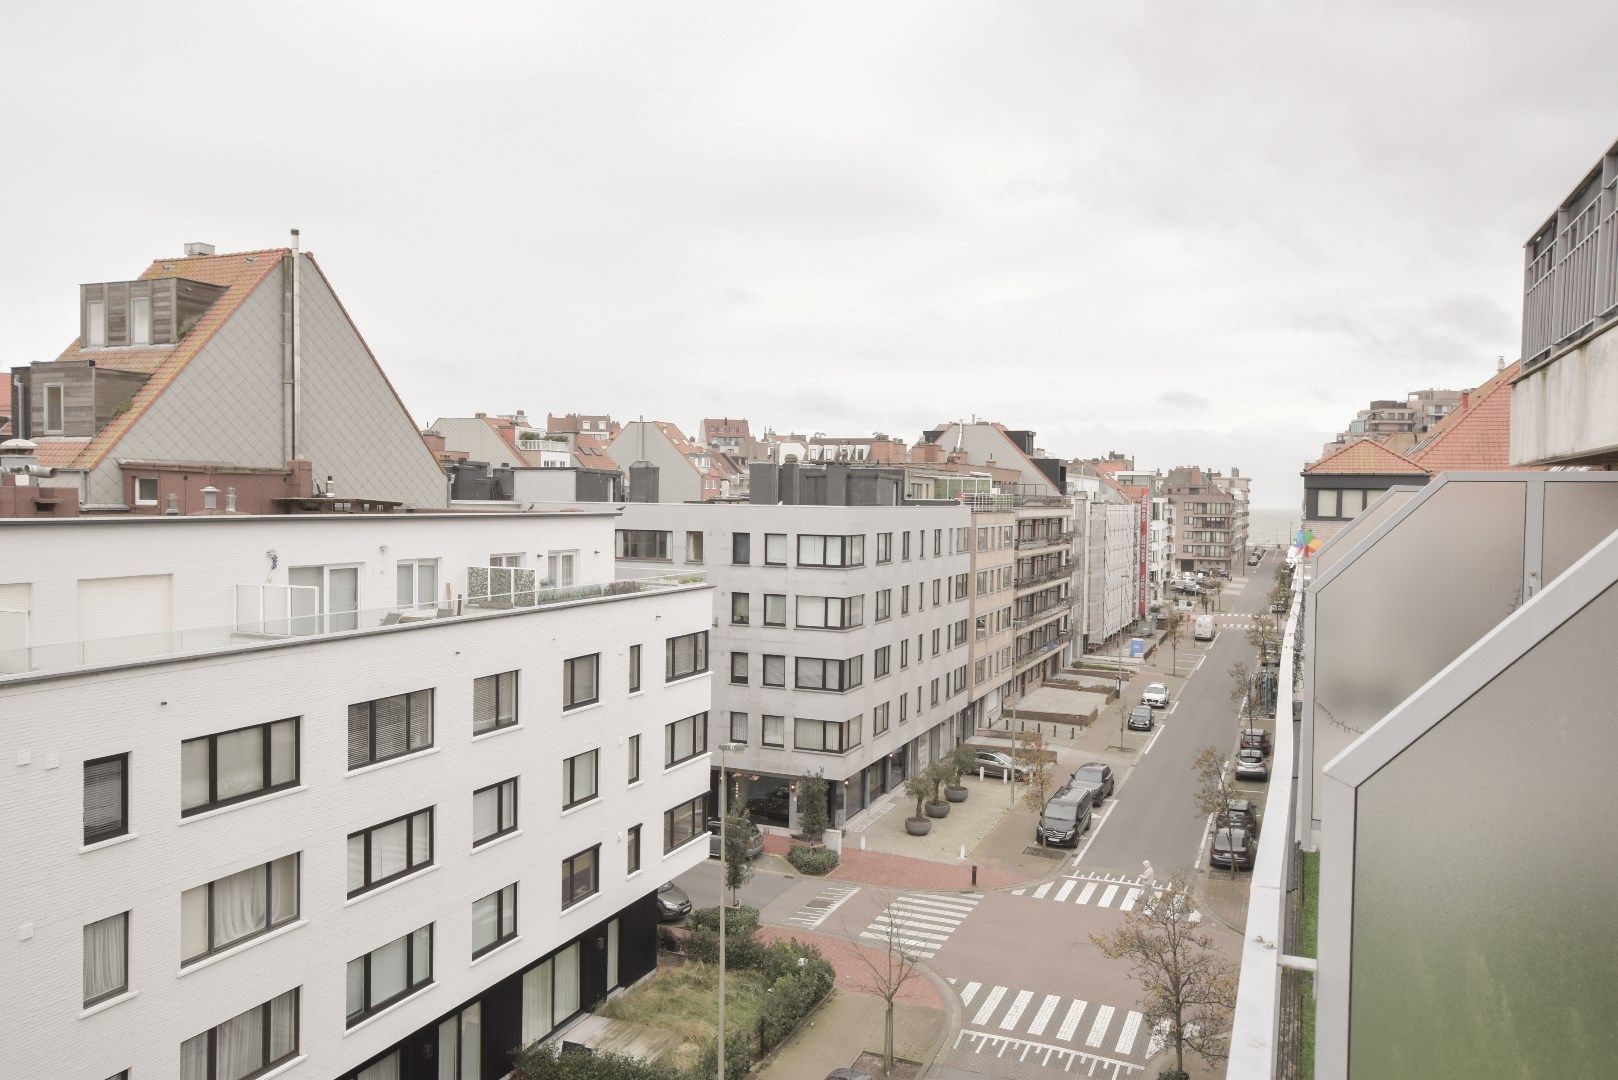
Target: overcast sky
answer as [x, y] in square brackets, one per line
[1199, 233]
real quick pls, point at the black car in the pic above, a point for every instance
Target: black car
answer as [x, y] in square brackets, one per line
[1232, 847]
[1098, 776]
[1063, 821]
[1140, 718]
[1238, 813]
[672, 903]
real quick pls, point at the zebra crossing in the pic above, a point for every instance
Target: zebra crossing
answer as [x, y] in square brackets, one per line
[816, 910]
[1071, 1031]
[919, 924]
[1119, 892]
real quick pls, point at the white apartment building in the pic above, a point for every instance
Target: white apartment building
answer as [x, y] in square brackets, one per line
[1159, 564]
[334, 796]
[841, 637]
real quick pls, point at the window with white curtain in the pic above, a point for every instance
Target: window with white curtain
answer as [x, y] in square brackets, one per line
[774, 732]
[390, 850]
[775, 609]
[536, 1002]
[237, 907]
[389, 727]
[494, 702]
[494, 919]
[775, 670]
[567, 983]
[106, 958]
[685, 739]
[494, 811]
[245, 1045]
[232, 766]
[775, 549]
[416, 583]
[579, 775]
[560, 567]
[738, 727]
[386, 974]
[579, 876]
[386, 1069]
[685, 655]
[460, 1045]
[106, 798]
[581, 683]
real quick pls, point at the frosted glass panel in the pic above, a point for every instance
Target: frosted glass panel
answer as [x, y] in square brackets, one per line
[1483, 908]
[1403, 608]
[1578, 516]
[1363, 526]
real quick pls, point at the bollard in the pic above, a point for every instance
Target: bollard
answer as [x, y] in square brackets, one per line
[980, 772]
[974, 875]
[963, 853]
[862, 841]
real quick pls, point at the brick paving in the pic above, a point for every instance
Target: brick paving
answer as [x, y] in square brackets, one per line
[851, 973]
[903, 872]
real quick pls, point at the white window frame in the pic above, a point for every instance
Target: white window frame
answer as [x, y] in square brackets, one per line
[562, 568]
[136, 335]
[408, 591]
[61, 408]
[139, 480]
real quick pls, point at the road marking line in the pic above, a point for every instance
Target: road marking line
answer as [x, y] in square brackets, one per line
[924, 949]
[1067, 887]
[970, 992]
[1039, 893]
[1087, 892]
[1070, 1022]
[844, 895]
[879, 925]
[1129, 900]
[1106, 897]
[1151, 742]
[1099, 1028]
[1126, 1037]
[1110, 1066]
[990, 1004]
[1174, 705]
[1094, 832]
[1202, 845]
[1018, 892]
[937, 905]
[925, 922]
[1043, 1016]
[1013, 1014]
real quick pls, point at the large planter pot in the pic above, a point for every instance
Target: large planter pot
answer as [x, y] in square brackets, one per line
[938, 809]
[918, 826]
[955, 792]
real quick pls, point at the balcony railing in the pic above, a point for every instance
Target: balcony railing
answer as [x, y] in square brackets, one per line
[1037, 617]
[1047, 540]
[1570, 278]
[1061, 573]
[279, 613]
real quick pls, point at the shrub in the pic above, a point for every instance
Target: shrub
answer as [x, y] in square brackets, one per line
[799, 979]
[813, 861]
[812, 820]
[738, 1058]
[742, 946]
[668, 939]
[546, 1061]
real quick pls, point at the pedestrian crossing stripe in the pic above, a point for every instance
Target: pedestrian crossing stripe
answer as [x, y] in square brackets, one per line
[816, 910]
[1107, 1032]
[919, 924]
[1102, 889]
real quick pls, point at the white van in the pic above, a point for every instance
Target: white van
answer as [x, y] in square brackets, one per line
[1203, 629]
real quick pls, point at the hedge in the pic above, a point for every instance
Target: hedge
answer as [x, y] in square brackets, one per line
[815, 862]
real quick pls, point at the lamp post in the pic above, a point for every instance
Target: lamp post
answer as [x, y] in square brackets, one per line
[724, 858]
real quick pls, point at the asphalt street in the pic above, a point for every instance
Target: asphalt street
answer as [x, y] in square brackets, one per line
[1156, 816]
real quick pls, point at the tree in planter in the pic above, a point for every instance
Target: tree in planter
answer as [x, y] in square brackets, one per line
[738, 867]
[1174, 623]
[1214, 789]
[1030, 754]
[962, 760]
[1187, 983]
[919, 787]
[886, 975]
[812, 819]
[938, 773]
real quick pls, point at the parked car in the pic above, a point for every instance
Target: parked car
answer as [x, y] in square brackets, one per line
[1250, 765]
[1270, 654]
[672, 902]
[1097, 775]
[1231, 846]
[755, 840]
[1254, 559]
[1238, 813]
[1203, 628]
[1156, 695]
[997, 764]
[1256, 739]
[1140, 718]
[1064, 820]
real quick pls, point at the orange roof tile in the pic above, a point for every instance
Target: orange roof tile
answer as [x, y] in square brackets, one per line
[1478, 436]
[240, 273]
[590, 452]
[1365, 457]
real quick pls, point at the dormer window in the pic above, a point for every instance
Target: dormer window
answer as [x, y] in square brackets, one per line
[95, 324]
[157, 311]
[140, 320]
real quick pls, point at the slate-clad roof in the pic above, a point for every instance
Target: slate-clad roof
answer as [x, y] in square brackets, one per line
[240, 273]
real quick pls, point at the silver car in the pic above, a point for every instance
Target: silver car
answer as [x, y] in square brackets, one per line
[998, 765]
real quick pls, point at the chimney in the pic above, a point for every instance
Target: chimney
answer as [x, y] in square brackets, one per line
[210, 499]
[1466, 402]
[195, 248]
[17, 456]
[230, 500]
[173, 506]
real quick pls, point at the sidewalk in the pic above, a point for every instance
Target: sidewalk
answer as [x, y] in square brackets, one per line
[851, 1020]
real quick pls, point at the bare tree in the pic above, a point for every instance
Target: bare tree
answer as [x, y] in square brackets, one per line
[1030, 753]
[887, 974]
[1175, 623]
[1241, 690]
[1263, 632]
[1214, 789]
[1185, 982]
[737, 866]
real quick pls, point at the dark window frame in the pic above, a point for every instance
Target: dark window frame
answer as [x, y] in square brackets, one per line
[570, 895]
[699, 656]
[214, 801]
[122, 988]
[516, 695]
[269, 909]
[741, 549]
[410, 727]
[500, 800]
[696, 810]
[764, 730]
[739, 673]
[633, 857]
[634, 758]
[568, 679]
[634, 669]
[122, 828]
[850, 673]
[501, 933]
[265, 1026]
[746, 608]
[623, 548]
[568, 779]
[699, 739]
[410, 848]
[412, 986]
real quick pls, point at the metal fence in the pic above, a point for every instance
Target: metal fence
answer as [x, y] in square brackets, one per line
[1570, 279]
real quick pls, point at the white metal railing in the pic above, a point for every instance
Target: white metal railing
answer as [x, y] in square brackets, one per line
[1573, 280]
[289, 615]
[1255, 1032]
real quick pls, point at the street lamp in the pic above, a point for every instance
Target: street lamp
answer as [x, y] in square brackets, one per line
[724, 858]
